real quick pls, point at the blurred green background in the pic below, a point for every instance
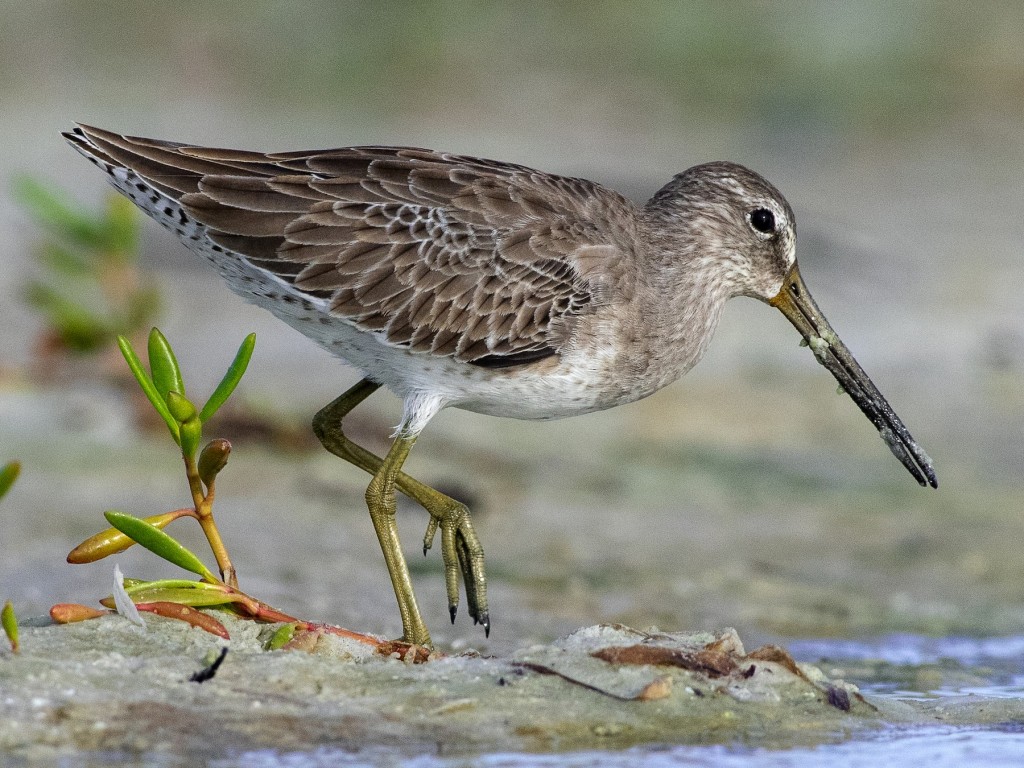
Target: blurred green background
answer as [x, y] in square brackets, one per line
[748, 494]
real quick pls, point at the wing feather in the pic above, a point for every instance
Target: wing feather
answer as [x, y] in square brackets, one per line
[459, 256]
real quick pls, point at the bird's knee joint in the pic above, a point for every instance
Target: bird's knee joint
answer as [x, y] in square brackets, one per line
[320, 427]
[328, 433]
[375, 493]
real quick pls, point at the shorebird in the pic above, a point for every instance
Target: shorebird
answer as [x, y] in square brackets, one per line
[456, 281]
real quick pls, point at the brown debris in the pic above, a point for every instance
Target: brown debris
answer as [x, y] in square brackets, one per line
[708, 661]
[778, 656]
[838, 697]
[720, 658]
[659, 688]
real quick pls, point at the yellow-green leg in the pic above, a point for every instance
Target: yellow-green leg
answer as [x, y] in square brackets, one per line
[380, 499]
[461, 551]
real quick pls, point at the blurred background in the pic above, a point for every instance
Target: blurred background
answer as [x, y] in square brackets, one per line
[747, 494]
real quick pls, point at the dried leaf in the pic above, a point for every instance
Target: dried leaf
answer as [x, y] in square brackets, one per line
[712, 663]
[69, 613]
[779, 656]
[190, 616]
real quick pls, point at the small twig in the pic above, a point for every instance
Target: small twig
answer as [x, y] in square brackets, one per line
[207, 673]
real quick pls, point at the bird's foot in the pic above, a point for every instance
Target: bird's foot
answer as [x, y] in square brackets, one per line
[462, 554]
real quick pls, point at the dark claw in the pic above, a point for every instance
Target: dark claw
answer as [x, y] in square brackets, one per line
[486, 621]
[452, 610]
[424, 551]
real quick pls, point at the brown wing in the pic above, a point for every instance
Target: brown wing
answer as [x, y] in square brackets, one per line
[440, 253]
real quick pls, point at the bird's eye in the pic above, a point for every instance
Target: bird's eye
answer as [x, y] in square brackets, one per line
[762, 220]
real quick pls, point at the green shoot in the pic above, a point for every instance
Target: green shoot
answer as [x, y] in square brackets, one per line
[231, 378]
[196, 598]
[179, 599]
[10, 625]
[164, 387]
[112, 541]
[158, 542]
[164, 366]
[8, 474]
[148, 387]
[281, 637]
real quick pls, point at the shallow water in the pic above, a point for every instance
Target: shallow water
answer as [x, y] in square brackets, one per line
[935, 747]
[963, 666]
[903, 648]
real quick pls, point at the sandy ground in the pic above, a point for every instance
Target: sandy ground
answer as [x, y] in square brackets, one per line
[112, 692]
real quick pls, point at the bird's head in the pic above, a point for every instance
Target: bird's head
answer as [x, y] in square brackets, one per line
[739, 235]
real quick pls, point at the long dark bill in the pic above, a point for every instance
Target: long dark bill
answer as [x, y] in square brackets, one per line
[796, 303]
